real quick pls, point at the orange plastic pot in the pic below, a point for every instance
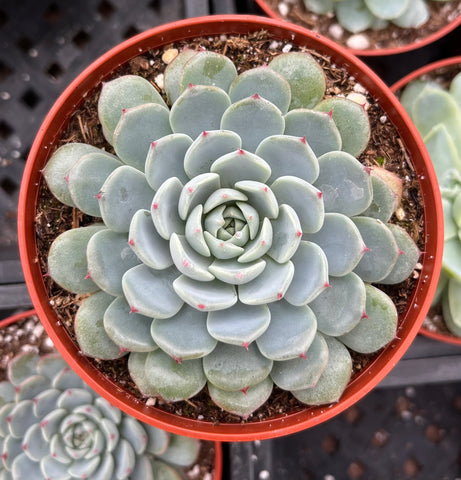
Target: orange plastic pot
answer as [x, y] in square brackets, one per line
[445, 30]
[87, 82]
[218, 459]
[431, 70]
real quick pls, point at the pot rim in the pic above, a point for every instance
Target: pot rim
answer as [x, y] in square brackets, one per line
[218, 463]
[431, 38]
[429, 68]
[206, 26]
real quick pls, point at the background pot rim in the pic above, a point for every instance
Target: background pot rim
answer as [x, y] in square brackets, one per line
[429, 68]
[218, 458]
[379, 52]
[206, 26]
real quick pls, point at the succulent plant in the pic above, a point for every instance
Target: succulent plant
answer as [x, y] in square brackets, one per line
[359, 15]
[240, 235]
[52, 426]
[436, 112]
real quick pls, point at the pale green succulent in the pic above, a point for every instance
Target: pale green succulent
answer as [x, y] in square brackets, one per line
[240, 234]
[359, 15]
[52, 426]
[436, 112]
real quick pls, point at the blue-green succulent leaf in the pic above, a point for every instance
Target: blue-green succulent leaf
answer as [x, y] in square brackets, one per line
[173, 73]
[240, 324]
[150, 292]
[137, 129]
[165, 159]
[377, 328]
[290, 333]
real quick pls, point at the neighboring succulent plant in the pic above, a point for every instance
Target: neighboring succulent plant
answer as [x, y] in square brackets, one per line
[359, 15]
[250, 206]
[436, 112]
[52, 426]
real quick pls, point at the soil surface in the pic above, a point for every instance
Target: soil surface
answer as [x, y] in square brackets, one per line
[441, 13]
[384, 149]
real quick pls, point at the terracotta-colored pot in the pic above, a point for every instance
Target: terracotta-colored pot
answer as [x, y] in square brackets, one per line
[445, 30]
[218, 459]
[432, 70]
[411, 318]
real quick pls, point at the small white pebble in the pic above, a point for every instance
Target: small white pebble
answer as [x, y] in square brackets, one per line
[287, 48]
[38, 330]
[410, 392]
[359, 99]
[336, 31]
[358, 42]
[223, 38]
[329, 477]
[169, 55]
[200, 417]
[160, 80]
[194, 472]
[257, 443]
[47, 343]
[359, 88]
[8, 338]
[208, 476]
[283, 9]
[264, 475]
[151, 401]
[406, 415]
[400, 213]
[274, 45]
[383, 119]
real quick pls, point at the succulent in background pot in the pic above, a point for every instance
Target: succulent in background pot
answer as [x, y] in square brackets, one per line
[432, 97]
[211, 237]
[55, 426]
[372, 27]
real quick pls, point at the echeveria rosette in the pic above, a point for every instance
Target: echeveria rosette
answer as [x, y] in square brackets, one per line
[436, 112]
[52, 426]
[240, 234]
[359, 15]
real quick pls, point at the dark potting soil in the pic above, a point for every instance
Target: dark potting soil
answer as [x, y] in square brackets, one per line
[28, 335]
[385, 149]
[441, 13]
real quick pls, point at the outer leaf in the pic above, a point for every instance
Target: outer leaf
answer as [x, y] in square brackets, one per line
[232, 367]
[382, 250]
[387, 10]
[304, 371]
[137, 128]
[452, 307]
[242, 403]
[174, 381]
[264, 82]
[136, 367]
[208, 68]
[340, 307]
[89, 328]
[334, 378]
[121, 93]
[87, 177]
[416, 14]
[378, 328]
[59, 166]
[67, 261]
[351, 120]
[181, 451]
[353, 15]
[109, 256]
[173, 73]
[305, 76]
